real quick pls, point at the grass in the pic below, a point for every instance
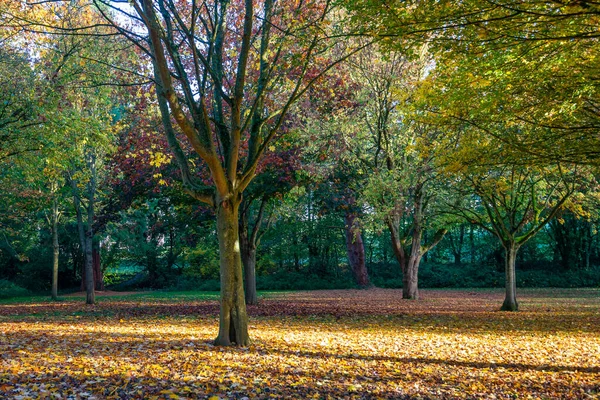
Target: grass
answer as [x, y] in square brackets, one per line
[322, 344]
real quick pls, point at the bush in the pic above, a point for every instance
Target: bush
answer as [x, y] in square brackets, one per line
[9, 289]
[284, 280]
[485, 276]
[186, 282]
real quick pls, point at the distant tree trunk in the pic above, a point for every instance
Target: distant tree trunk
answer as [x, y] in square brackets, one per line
[249, 241]
[89, 233]
[457, 245]
[98, 276]
[248, 254]
[372, 239]
[249, 261]
[510, 301]
[296, 255]
[80, 228]
[356, 250]
[472, 244]
[313, 257]
[55, 249]
[588, 246]
[233, 326]
[400, 254]
[75, 258]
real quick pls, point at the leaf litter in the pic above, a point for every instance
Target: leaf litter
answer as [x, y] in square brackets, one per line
[355, 344]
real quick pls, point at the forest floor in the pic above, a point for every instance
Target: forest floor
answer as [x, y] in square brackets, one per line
[324, 344]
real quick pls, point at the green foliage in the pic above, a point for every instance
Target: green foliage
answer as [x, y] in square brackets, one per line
[9, 289]
[202, 262]
[298, 281]
[487, 276]
[190, 282]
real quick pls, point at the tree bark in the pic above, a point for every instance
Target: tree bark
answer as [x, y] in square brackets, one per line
[89, 267]
[233, 322]
[248, 254]
[97, 264]
[249, 241]
[410, 273]
[410, 279]
[471, 245]
[249, 260]
[55, 249]
[510, 301]
[356, 251]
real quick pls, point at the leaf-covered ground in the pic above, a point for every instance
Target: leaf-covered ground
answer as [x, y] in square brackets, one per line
[325, 344]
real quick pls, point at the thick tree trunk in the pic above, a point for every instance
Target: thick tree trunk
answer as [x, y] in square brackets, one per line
[410, 279]
[233, 323]
[510, 301]
[356, 251]
[55, 250]
[410, 264]
[410, 273]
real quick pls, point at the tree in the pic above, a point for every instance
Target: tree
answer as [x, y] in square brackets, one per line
[76, 89]
[228, 74]
[534, 63]
[513, 202]
[330, 165]
[395, 151]
[21, 92]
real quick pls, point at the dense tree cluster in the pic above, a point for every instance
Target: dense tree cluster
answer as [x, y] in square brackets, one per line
[335, 144]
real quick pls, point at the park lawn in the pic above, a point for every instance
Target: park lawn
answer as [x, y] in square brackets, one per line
[322, 344]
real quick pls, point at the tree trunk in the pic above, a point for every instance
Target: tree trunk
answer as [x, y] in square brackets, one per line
[89, 233]
[397, 245]
[510, 301]
[96, 262]
[248, 254]
[249, 240]
[410, 273]
[249, 260]
[356, 251]
[457, 245]
[89, 267]
[410, 278]
[233, 323]
[471, 245]
[80, 229]
[55, 249]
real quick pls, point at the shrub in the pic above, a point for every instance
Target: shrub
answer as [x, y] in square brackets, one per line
[285, 280]
[9, 289]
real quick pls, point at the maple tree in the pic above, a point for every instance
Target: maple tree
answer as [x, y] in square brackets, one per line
[228, 75]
